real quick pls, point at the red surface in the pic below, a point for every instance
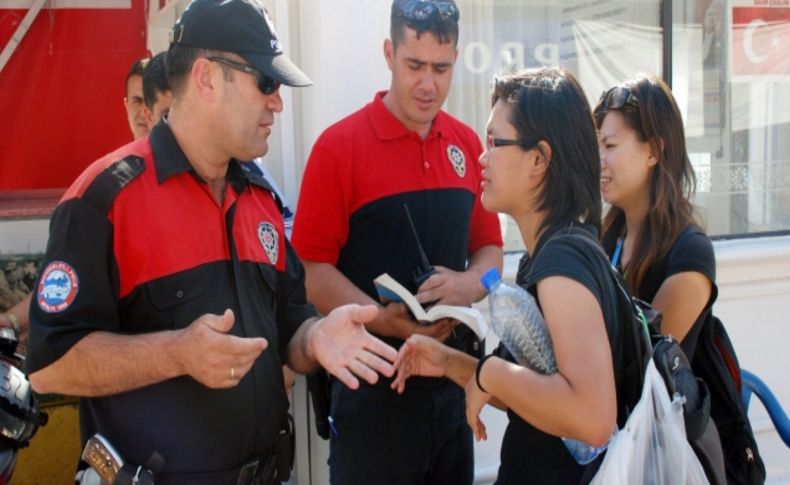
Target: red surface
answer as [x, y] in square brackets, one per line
[61, 92]
[760, 41]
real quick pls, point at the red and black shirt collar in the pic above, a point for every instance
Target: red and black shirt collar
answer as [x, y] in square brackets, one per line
[170, 160]
[388, 127]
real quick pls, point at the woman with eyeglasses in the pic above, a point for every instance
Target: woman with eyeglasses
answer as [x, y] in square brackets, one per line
[541, 167]
[651, 232]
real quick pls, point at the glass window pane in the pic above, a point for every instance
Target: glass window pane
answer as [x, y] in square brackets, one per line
[731, 75]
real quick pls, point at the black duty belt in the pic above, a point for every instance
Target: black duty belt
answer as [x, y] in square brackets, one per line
[260, 471]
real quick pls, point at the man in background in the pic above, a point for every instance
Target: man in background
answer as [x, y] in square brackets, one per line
[156, 90]
[133, 101]
[140, 123]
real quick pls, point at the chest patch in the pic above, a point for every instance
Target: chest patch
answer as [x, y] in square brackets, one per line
[457, 159]
[58, 287]
[270, 240]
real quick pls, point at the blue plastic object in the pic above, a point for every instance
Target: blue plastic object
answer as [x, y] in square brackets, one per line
[753, 384]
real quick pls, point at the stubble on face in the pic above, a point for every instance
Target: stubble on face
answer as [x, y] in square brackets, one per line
[422, 70]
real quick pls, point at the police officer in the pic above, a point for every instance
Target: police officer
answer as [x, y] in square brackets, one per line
[169, 297]
[401, 150]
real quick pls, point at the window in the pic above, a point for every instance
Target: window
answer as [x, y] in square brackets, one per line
[731, 75]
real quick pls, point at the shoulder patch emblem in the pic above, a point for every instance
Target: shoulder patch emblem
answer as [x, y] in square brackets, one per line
[58, 287]
[457, 159]
[270, 240]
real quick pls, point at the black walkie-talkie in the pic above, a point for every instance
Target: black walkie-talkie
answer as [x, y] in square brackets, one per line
[424, 270]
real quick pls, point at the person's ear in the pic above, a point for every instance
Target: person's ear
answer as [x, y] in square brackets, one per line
[543, 157]
[201, 77]
[656, 149]
[389, 53]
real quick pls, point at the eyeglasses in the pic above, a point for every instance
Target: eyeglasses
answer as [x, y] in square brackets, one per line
[526, 144]
[266, 84]
[619, 97]
[420, 10]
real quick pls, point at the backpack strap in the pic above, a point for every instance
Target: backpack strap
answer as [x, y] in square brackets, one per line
[635, 348]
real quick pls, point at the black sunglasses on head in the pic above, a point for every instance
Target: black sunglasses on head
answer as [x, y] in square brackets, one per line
[420, 10]
[266, 84]
[618, 97]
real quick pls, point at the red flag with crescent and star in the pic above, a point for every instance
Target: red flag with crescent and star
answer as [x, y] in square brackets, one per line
[760, 41]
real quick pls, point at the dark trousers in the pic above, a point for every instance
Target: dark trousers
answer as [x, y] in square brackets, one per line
[418, 437]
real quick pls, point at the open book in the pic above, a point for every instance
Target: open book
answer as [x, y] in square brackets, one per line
[390, 290]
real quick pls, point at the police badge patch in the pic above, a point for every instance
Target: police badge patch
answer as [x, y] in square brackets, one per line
[457, 159]
[58, 287]
[270, 240]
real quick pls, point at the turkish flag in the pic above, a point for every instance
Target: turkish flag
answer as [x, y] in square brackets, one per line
[760, 41]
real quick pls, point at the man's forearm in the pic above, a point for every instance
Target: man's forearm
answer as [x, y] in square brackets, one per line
[18, 314]
[328, 288]
[103, 363]
[482, 260]
[299, 356]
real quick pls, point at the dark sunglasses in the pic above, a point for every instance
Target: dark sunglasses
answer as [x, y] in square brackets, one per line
[420, 10]
[619, 97]
[526, 144]
[267, 85]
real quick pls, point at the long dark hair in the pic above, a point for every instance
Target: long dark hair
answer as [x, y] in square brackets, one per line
[548, 104]
[656, 119]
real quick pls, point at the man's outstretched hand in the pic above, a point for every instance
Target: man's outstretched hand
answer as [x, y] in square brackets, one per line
[342, 345]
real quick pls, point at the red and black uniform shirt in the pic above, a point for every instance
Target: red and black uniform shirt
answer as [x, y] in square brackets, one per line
[360, 174]
[138, 244]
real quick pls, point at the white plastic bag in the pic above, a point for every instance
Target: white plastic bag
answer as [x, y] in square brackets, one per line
[652, 448]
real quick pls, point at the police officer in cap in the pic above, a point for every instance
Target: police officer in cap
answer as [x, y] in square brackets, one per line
[170, 297]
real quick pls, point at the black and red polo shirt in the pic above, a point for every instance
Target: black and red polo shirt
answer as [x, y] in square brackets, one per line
[138, 244]
[361, 173]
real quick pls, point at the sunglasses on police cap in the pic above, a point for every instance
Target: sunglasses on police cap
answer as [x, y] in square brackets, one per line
[420, 10]
[618, 97]
[266, 84]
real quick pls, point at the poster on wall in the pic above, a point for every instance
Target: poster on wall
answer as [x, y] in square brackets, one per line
[760, 40]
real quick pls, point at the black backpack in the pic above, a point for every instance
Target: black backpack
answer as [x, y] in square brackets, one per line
[639, 340]
[714, 367]
[715, 362]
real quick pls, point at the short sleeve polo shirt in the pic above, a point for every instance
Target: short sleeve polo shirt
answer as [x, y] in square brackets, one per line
[362, 173]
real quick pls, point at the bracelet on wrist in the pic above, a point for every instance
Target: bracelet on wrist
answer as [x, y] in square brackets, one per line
[14, 322]
[479, 368]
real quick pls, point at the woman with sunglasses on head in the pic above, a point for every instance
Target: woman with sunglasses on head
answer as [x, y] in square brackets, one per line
[541, 167]
[650, 232]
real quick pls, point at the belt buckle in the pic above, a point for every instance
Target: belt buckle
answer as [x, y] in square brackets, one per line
[247, 472]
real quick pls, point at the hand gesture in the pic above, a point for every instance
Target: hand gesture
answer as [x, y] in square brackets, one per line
[212, 357]
[475, 400]
[420, 356]
[345, 349]
[448, 287]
